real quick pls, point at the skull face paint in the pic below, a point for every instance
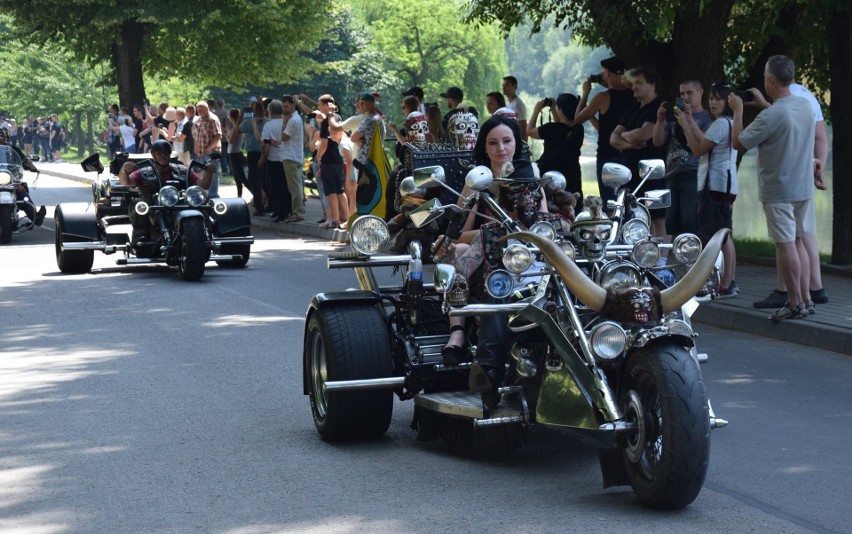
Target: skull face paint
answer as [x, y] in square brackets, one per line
[463, 128]
[417, 127]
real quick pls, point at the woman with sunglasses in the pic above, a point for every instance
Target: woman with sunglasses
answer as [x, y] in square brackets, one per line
[717, 168]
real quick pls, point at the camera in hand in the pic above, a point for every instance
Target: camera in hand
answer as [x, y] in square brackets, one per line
[596, 78]
[746, 96]
[547, 101]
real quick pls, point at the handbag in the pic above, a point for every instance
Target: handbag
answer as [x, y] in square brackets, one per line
[714, 213]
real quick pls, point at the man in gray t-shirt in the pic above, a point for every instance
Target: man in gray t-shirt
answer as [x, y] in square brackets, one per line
[784, 137]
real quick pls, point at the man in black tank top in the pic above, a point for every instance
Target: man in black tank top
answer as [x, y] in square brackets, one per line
[605, 110]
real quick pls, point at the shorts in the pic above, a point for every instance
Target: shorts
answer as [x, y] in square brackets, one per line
[332, 178]
[785, 221]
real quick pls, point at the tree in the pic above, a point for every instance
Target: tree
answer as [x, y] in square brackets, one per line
[229, 43]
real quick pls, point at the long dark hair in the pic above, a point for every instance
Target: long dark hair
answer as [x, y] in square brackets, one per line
[721, 90]
[480, 156]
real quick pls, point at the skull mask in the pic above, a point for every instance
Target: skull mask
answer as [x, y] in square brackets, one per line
[591, 230]
[417, 127]
[632, 305]
[463, 127]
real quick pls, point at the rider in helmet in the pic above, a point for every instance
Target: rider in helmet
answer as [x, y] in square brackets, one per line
[162, 167]
[23, 192]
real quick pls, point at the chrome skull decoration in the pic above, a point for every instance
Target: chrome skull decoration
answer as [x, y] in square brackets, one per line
[463, 128]
[417, 127]
[591, 230]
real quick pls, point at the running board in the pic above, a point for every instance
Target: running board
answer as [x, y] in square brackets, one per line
[149, 261]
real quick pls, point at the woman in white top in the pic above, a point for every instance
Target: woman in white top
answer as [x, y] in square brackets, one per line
[718, 162]
[128, 135]
[350, 180]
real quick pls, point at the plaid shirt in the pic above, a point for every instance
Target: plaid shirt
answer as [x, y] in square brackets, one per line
[203, 131]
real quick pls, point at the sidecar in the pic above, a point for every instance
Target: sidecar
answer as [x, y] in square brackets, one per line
[210, 229]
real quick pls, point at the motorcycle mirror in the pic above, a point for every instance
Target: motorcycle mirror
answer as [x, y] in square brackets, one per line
[407, 186]
[429, 176]
[426, 213]
[554, 180]
[615, 175]
[479, 178]
[657, 199]
[652, 169]
[445, 275]
[93, 163]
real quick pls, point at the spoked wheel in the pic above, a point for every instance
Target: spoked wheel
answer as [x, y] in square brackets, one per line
[348, 341]
[6, 223]
[667, 454]
[70, 261]
[193, 253]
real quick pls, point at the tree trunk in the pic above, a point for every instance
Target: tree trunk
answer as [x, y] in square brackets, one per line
[90, 134]
[839, 26]
[78, 129]
[127, 62]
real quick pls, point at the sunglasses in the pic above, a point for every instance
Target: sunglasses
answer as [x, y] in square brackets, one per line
[720, 86]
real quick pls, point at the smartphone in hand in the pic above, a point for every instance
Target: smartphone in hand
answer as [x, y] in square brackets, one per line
[746, 96]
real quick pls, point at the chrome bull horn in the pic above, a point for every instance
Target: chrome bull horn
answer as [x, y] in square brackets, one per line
[686, 288]
[589, 293]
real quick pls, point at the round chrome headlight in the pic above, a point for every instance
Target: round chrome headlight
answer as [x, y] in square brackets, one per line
[5, 178]
[634, 231]
[499, 284]
[141, 208]
[608, 340]
[368, 234]
[169, 196]
[686, 248]
[645, 254]
[544, 229]
[641, 212]
[220, 208]
[568, 248]
[517, 259]
[619, 274]
[195, 196]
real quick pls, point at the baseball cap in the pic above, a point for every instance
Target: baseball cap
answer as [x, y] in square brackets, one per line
[614, 65]
[367, 97]
[414, 90]
[453, 92]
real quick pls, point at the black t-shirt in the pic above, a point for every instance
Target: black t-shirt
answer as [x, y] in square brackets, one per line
[619, 102]
[561, 153]
[188, 142]
[332, 154]
[634, 118]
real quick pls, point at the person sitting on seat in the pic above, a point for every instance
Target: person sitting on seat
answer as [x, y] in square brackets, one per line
[23, 191]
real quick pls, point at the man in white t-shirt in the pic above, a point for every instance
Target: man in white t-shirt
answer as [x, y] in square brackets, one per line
[513, 101]
[272, 160]
[292, 138]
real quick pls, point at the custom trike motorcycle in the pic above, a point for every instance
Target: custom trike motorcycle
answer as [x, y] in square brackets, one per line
[13, 194]
[598, 346]
[184, 227]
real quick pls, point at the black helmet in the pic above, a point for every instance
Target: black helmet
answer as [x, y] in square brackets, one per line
[162, 146]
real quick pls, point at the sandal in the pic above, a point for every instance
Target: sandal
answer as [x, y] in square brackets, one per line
[454, 354]
[329, 224]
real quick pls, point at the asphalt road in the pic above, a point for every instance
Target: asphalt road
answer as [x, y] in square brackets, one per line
[131, 401]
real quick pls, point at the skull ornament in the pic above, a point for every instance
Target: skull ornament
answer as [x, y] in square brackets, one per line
[417, 127]
[463, 127]
[591, 230]
[632, 305]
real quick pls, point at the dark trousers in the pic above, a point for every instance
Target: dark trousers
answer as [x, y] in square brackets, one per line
[279, 196]
[256, 180]
[682, 214]
[492, 346]
[238, 161]
[226, 158]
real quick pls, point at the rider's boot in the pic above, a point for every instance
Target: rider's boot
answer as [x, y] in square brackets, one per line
[485, 381]
[40, 214]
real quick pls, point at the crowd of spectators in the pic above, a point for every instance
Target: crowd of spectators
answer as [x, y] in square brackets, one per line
[41, 136]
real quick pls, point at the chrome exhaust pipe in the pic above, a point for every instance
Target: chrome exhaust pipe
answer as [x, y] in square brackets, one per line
[392, 382]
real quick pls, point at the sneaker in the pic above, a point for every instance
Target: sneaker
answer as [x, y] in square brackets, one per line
[776, 299]
[295, 218]
[809, 306]
[790, 312]
[734, 287]
[725, 292]
[819, 296]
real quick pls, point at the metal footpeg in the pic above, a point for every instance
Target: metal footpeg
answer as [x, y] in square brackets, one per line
[498, 421]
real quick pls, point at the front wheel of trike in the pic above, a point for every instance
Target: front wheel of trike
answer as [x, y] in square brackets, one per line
[664, 395]
[348, 341]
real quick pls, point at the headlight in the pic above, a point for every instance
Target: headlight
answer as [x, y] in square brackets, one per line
[141, 208]
[195, 196]
[634, 231]
[220, 208]
[641, 212]
[169, 196]
[620, 274]
[517, 259]
[544, 229]
[368, 234]
[568, 248]
[608, 340]
[5, 178]
[499, 284]
[686, 248]
[645, 254]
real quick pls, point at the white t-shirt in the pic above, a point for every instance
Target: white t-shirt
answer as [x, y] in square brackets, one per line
[294, 147]
[346, 145]
[272, 132]
[721, 158]
[520, 108]
[127, 135]
[802, 91]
